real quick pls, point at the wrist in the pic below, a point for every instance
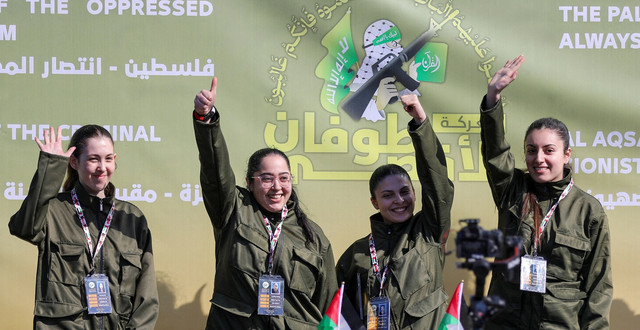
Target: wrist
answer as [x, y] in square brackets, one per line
[197, 116]
[206, 117]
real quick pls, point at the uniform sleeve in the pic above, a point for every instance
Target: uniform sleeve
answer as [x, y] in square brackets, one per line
[146, 302]
[498, 160]
[216, 176]
[437, 189]
[30, 221]
[597, 283]
[327, 284]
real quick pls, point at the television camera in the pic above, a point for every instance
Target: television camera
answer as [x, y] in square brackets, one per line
[475, 244]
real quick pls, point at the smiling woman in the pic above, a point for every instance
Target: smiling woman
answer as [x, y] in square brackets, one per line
[567, 283]
[86, 239]
[399, 265]
[263, 238]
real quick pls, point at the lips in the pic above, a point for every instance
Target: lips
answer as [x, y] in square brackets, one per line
[275, 196]
[400, 209]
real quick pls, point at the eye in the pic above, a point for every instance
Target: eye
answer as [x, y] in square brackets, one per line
[284, 178]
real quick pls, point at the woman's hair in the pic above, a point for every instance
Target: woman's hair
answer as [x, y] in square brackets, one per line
[530, 203]
[382, 172]
[253, 166]
[553, 124]
[79, 140]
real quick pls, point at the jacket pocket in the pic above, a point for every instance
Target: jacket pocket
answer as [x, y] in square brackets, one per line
[563, 303]
[250, 251]
[425, 306]
[66, 264]
[413, 271]
[419, 310]
[232, 305]
[567, 256]
[306, 266]
[130, 267]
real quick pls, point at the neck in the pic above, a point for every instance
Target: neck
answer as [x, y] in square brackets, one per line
[99, 194]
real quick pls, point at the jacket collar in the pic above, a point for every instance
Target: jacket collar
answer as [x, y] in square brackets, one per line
[386, 236]
[92, 201]
[551, 190]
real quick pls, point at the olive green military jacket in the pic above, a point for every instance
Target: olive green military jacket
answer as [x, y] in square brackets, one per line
[242, 250]
[48, 220]
[412, 249]
[575, 244]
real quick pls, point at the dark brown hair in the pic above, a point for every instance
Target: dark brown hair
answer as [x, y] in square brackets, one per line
[384, 171]
[254, 166]
[530, 203]
[79, 140]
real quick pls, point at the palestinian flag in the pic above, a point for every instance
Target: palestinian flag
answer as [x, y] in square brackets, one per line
[340, 315]
[451, 320]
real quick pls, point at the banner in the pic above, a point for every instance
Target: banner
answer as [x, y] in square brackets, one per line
[285, 70]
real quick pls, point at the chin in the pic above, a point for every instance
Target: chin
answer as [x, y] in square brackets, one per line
[275, 208]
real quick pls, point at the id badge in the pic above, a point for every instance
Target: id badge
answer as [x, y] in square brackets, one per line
[378, 314]
[533, 274]
[97, 293]
[270, 295]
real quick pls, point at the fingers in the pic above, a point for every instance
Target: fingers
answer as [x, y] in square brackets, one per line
[214, 85]
[408, 99]
[51, 143]
[517, 62]
[59, 137]
[39, 143]
[512, 67]
[413, 107]
[70, 151]
[204, 101]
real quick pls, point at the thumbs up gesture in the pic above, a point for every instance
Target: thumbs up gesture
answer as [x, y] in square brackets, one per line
[204, 101]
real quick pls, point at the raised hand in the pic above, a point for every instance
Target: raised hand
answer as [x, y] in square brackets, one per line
[413, 107]
[204, 101]
[53, 144]
[501, 79]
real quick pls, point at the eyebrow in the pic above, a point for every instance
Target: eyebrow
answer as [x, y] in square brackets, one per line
[544, 146]
[93, 155]
[268, 173]
[391, 190]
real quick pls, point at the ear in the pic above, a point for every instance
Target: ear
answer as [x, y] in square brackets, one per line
[73, 161]
[567, 155]
[374, 202]
[249, 186]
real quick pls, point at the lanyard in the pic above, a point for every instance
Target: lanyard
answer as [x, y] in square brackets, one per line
[273, 236]
[374, 262]
[545, 221]
[85, 228]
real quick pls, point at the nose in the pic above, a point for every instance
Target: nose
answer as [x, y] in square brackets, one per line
[399, 198]
[540, 156]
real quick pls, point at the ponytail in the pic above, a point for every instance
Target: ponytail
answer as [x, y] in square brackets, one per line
[303, 220]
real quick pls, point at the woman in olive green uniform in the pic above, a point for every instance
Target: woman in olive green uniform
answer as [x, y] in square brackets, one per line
[274, 266]
[566, 279]
[67, 228]
[402, 260]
